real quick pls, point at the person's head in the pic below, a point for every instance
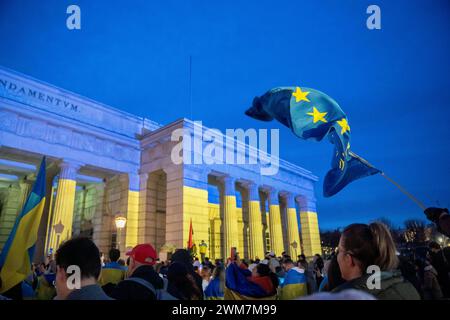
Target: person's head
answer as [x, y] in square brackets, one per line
[182, 282]
[121, 262]
[302, 257]
[203, 241]
[363, 245]
[141, 255]
[287, 264]
[263, 270]
[434, 246]
[183, 256]
[114, 255]
[79, 252]
[206, 259]
[205, 272]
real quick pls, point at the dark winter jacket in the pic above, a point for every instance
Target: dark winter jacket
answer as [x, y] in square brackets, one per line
[431, 287]
[130, 290]
[442, 265]
[392, 287]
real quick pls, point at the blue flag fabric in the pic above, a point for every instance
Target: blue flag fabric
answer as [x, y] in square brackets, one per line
[213, 291]
[313, 115]
[17, 254]
[236, 280]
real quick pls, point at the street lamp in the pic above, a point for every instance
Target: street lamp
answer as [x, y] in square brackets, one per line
[120, 222]
[59, 228]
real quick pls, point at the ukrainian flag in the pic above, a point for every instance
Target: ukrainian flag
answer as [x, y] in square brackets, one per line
[214, 291]
[238, 287]
[17, 254]
[294, 285]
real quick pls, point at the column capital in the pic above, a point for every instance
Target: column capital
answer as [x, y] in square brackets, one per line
[253, 190]
[290, 199]
[272, 194]
[228, 185]
[69, 169]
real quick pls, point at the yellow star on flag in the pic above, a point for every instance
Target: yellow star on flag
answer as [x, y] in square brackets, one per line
[317, 115]
[344, 125]
[300, 95]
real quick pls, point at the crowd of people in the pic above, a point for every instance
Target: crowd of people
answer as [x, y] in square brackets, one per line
[366, 265]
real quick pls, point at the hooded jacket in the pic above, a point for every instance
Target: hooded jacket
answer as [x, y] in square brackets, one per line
[392, 287]
[294, 284]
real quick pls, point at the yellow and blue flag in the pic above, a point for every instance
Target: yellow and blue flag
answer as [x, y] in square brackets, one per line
[239, 287]
[214, 290]
[17, 254]
[312, 115]
[294, 284]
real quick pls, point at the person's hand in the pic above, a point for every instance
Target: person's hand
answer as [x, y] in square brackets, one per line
[433, 213]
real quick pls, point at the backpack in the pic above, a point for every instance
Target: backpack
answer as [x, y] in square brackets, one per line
[160, 294]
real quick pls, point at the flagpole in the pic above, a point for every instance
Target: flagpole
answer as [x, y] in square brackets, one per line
[403, 190]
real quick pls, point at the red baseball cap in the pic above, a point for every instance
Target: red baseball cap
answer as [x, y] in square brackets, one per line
[143, 253]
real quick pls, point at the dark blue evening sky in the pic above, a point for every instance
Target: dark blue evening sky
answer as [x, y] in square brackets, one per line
[393, 83]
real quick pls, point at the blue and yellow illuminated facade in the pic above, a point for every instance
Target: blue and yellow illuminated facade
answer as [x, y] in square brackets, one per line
[104, 163]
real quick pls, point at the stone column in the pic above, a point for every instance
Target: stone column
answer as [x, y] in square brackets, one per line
[132, 211]
[102, 221]
[292, 226]
[61, 226]
[142, 213]
[309, 227]
[230, 225]
[256, 237]
[276, 231]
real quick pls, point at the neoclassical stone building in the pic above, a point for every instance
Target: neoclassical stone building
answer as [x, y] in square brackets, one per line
[103, 163]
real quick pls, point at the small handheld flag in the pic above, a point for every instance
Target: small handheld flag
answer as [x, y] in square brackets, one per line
[17, 254]
[312, 115]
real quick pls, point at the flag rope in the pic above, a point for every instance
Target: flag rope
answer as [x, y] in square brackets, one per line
[403, 190]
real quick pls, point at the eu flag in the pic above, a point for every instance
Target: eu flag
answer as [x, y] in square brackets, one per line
[17, 254]
[312, 115]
